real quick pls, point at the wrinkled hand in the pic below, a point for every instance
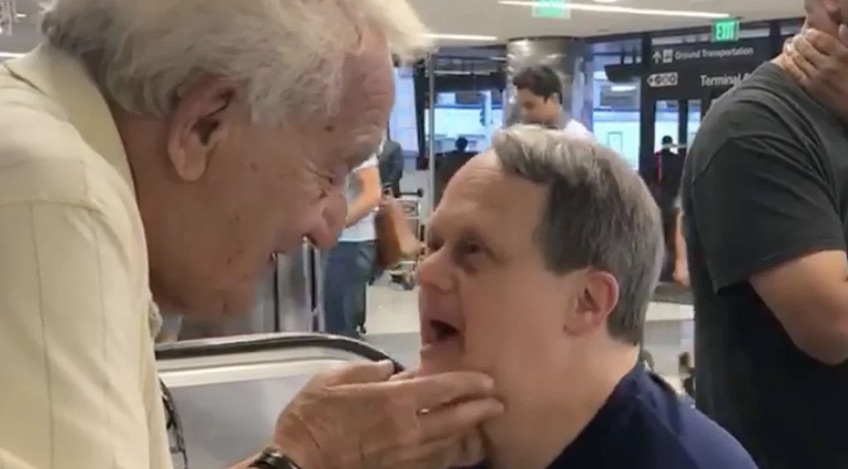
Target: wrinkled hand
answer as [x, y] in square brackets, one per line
[357, 417]
[469, 449]
[819, 62]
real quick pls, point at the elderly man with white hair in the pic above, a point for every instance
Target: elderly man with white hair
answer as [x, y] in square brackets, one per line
[166, 150]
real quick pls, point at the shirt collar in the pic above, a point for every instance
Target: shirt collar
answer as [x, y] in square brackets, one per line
[63, 79]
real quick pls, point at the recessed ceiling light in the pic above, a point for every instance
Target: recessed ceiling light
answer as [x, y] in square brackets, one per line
[605, 1]
[10, 55]
[462, 37]
[593, 7]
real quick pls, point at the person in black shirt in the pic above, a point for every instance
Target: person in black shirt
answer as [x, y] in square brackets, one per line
[765, 203]
[526, 277]
[450, 164]
[663, 178]
[391, 163]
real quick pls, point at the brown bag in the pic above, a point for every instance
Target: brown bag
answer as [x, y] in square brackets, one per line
[395, 239]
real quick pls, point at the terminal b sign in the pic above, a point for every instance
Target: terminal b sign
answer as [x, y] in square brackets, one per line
[690, 84]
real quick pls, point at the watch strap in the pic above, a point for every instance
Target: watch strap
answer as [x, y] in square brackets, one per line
[273, 459]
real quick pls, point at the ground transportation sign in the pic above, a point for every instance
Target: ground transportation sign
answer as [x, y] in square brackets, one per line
[680, 71]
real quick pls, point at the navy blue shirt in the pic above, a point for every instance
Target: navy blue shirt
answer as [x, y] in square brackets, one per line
[645, 425]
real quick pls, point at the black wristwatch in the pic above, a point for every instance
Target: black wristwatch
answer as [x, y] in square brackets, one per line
[273, 459]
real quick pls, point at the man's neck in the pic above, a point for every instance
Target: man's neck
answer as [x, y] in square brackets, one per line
[559, 122]
[533, 437]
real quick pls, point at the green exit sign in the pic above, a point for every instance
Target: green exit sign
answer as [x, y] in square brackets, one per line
[726, 30]
[551, 9]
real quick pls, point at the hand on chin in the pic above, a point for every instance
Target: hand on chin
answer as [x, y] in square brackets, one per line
[469, 451]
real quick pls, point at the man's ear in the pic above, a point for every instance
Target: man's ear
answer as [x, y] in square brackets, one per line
[199, 123]
[596, 299]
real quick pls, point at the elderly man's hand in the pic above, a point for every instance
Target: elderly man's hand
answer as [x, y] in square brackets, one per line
[819, 62]
[357, 417]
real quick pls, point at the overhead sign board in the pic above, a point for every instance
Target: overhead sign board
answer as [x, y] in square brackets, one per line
[663, 80]
[679, 71]
[552, 9]
[690, 83]
[710, 53]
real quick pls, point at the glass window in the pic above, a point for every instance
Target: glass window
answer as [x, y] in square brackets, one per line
[402, 122]
[615, 105]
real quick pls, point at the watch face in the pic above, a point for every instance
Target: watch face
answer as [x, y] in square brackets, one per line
[179, 455]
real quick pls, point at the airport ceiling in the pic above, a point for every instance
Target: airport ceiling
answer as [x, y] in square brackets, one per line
[510, 19]
[495, 21]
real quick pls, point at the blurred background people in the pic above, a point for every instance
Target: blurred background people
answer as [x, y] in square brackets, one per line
[539, 94]
[350, 264]
[391, 166]
[681, 264]
[663, 178]
[449, 164]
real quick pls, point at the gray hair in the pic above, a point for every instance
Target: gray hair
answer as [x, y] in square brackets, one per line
[286, 55]
[598, 213]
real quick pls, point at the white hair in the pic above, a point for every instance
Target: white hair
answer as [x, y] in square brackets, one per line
[286, 55]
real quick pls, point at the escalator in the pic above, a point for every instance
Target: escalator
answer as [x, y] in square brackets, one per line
[224, 395]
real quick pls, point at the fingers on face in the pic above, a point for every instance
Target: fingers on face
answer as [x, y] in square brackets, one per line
[798, 65]
[404, 375]
[813, 49]
[458, 419]
[436, 390]
[358, 373]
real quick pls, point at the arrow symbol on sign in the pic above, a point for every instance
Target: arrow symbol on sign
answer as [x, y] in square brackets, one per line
[657, 57]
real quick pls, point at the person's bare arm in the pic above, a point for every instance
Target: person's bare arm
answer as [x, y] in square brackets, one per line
[764, 215]
[809, 296]
[368, 179]
[679, 241]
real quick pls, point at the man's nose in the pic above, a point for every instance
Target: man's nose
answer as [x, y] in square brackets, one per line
[329, 225]
[435, 271]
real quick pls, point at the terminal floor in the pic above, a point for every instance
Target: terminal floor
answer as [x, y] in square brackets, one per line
[393, 326]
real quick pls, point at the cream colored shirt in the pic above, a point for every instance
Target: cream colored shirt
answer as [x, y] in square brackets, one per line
[78, 385]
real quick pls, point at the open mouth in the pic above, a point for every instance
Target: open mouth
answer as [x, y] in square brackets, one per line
[442, 342]
[443, 331]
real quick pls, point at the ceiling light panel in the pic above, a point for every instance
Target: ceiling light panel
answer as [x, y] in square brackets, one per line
[610, 8]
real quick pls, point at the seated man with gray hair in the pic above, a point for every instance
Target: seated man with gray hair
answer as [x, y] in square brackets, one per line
[543, 256]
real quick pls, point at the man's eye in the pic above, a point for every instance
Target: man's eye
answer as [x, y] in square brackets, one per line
[432, 246]
[469, 248]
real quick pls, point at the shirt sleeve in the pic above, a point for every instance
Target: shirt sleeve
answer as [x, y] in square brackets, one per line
[371, 162]
[762, 201]
[70, 343]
